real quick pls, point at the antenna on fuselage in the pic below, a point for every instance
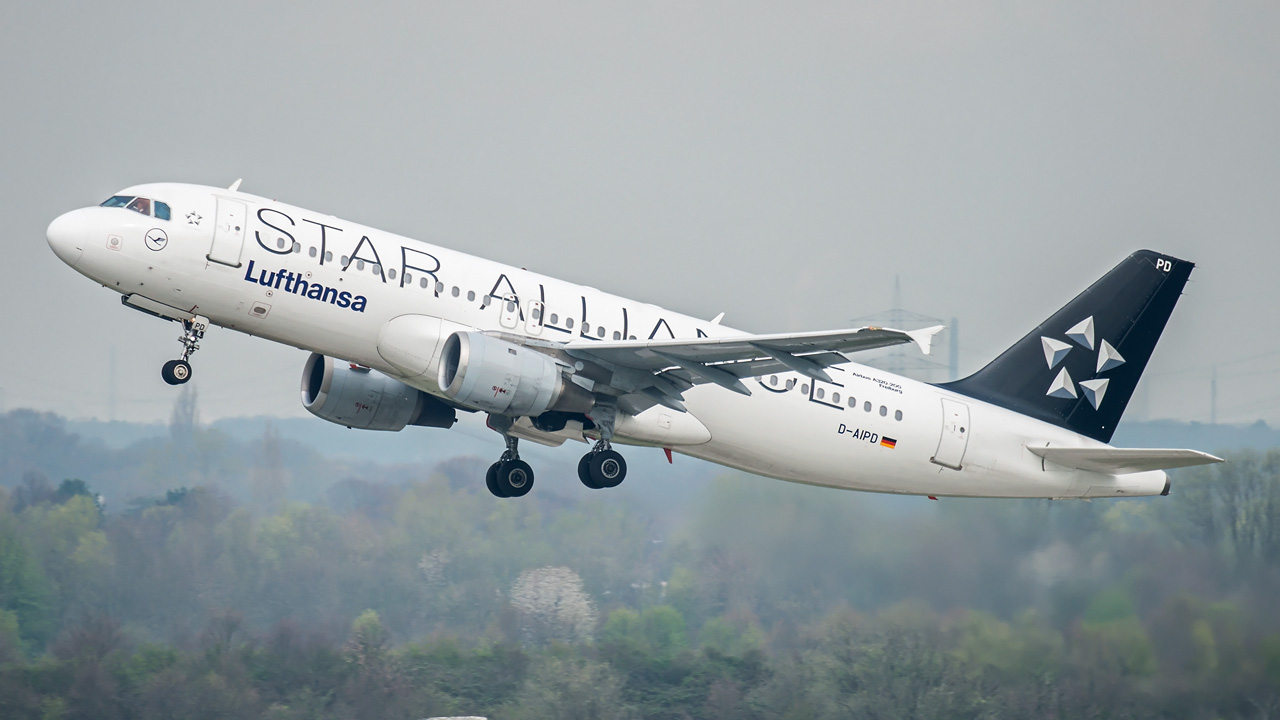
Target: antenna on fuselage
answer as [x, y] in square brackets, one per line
[236, 185]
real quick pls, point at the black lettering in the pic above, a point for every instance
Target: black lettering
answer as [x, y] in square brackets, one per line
[429, 272]
[323, 237]
[344, 299]
[358, 303]
[330, 295]
[662, 323]
[258, 236]
[355, 255]
[300, 287]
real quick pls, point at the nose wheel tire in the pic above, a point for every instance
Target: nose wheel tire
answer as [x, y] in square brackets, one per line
[176, 372]
[603, 469]
[509, 478]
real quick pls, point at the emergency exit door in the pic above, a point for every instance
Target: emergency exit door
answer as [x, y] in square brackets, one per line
[955, 434]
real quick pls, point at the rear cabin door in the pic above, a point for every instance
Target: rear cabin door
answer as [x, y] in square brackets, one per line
[955, 434]
[228, 233]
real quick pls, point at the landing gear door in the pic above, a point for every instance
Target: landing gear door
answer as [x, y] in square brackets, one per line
[955, 434]
[228, 233]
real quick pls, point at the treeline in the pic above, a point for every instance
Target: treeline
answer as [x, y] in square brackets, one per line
[388, 596]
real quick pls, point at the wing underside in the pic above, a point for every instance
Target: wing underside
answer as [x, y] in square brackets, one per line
[648, 372]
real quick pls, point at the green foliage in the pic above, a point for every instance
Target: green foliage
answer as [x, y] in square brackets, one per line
[397, 597]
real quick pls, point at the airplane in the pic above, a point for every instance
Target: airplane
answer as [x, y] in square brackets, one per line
[402, 332]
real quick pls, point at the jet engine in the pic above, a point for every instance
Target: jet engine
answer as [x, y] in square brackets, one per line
[484, 373]
[362, 398]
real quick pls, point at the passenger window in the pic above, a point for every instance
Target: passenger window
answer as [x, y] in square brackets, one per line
[867, 406]
[117, 201]
[791, 383]
[423, 282]
[883, 411]
[617, 335]
[328, 256]
[536, 314]
[897, 415]
[280, 243]
[511, 306]
[162, 210]
[805, 388]
[586, 328]
[456, 291]
[554, 318]
[439, 287]
[407, 279]
[376, 268]
[471, 295]
[391, 274]
[359, 263]
[142, 205]
[773, 380]
[312, 252]
[853, 402]
[568, 322]
[820, 393]
[297, 248]
[600, 332]
[345, 261]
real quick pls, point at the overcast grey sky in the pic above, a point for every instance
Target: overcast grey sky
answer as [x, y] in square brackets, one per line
[777, 161]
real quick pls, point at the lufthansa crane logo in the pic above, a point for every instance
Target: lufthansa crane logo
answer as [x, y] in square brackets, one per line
[156, 239]
[1055, 351]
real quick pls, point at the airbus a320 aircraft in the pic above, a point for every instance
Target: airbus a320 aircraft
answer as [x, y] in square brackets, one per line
[406, 333]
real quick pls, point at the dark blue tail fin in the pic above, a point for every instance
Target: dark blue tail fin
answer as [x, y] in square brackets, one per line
[1081, 366]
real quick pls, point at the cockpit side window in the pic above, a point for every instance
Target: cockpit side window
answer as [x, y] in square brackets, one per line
[162, 210]
[117, 201]
[142, 205]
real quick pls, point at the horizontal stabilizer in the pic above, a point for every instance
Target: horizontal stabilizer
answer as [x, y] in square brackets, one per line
[1122, 461]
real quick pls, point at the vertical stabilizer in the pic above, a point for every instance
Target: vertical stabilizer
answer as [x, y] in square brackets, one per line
[1079, 368]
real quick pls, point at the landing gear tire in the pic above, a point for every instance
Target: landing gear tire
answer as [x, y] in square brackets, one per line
[510, 478]
[606, 469]
[584, 472]
[176, 372]
[491, 480]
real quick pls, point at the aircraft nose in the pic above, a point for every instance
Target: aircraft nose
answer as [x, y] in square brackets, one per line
[67, 234]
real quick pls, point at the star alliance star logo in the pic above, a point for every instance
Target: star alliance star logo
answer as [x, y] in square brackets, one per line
[1055, 351]
[193, 219]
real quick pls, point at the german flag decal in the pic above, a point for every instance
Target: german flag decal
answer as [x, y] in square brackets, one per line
[888, 442]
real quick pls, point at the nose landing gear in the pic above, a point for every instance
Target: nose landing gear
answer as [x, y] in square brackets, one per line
[177, 372]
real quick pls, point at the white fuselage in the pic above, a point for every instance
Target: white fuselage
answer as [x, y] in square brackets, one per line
[868, 430]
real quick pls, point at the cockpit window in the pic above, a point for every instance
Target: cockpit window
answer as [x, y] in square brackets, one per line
[139, 205]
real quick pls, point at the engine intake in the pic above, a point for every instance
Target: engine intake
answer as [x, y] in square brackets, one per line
[484, 373]
[363, 398]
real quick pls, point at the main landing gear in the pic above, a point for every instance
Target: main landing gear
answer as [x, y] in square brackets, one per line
[510, 476]
[603, 467]
[177, 372]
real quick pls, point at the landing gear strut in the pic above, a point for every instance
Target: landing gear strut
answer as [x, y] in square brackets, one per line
[177, 372]
[510, 476]
[603, 467]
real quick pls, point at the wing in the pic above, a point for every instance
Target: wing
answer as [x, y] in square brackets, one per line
[1122, 461]
[661, 370]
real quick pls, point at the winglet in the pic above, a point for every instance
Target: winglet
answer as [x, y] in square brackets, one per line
[924, 337]
[716, 320]
[236, 185]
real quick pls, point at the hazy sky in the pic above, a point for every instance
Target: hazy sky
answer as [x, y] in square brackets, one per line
[780, 162]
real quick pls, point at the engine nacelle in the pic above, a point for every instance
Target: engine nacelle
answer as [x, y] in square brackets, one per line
[362, 398]
[485, 373]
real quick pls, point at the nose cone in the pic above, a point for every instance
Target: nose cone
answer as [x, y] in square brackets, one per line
[67, 235]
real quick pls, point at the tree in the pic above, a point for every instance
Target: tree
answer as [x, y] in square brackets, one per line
[551, 606]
